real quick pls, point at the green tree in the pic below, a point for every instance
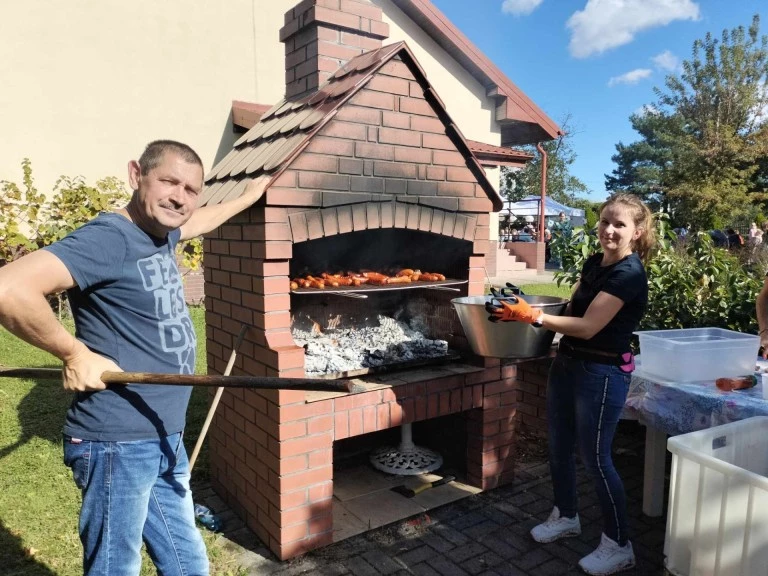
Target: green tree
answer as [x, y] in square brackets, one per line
[561, 184]
[702, 153]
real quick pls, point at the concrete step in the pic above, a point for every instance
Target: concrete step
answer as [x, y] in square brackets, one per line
[512, 267]
[506, 262]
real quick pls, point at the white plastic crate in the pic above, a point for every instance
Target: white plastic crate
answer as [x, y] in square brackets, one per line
[693, 354]
[717, 523]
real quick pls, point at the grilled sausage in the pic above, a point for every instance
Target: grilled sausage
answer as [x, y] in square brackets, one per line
[375, 277]
[398, 280]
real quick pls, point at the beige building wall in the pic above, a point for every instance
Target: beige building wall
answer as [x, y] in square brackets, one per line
[87, 83]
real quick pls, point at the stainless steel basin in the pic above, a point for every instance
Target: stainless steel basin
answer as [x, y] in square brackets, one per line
[506, 339]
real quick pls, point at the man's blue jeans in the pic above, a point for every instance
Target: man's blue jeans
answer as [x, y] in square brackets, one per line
[134, 491]
[584, 403]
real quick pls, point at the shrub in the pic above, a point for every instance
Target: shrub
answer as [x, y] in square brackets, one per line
[29, 220]
[691, 284]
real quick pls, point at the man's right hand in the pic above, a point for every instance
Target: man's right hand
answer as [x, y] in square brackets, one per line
[82, 371]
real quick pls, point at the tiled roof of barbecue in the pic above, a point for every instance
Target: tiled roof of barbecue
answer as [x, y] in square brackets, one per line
[286, 129]
[489, 153]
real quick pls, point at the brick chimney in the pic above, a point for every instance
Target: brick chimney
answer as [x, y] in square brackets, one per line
[320, 36]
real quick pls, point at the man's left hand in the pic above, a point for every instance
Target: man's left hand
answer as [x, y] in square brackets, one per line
[255, 189]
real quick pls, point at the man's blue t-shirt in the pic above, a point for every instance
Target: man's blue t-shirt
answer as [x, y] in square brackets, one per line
[129, 307]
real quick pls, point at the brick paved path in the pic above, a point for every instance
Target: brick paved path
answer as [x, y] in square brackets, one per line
[483, 535]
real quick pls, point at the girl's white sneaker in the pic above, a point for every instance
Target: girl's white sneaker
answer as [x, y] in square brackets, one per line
[556, 527]
[608, 558]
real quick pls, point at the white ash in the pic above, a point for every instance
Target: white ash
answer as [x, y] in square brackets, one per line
[347, 349]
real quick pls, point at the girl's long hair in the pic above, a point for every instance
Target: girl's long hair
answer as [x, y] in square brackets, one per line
[643, 219]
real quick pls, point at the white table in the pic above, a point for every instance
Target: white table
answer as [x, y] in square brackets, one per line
[668, 408]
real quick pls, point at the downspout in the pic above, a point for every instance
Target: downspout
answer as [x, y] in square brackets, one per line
[543, 189]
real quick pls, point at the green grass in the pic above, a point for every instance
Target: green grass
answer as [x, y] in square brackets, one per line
[39, 503]
[546, 290]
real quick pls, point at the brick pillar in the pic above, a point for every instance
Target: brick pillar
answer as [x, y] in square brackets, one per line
[514, 396]
[320, 36]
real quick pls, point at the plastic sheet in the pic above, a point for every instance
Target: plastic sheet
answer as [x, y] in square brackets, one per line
[682, 407]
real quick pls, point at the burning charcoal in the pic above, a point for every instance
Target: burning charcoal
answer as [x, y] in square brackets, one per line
[390, 342]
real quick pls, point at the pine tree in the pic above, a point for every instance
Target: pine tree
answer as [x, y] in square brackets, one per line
[704, 143]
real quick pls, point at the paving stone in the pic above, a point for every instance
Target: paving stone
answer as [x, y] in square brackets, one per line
[509, 570]
[424, 569]
[499, 547]
[523, 543]
[554, 567]
[478, 531]
[333, 569]
[513, 511]
[498, 516]
[533, 559]
[453, 536]
[568, 555]
[523, 498]
[417, 555]
[538, 507]
[437, 542]
[383, 562]
[300, 566]
[463, 553]
[466, 520]
[359, 567]
[446, 567]
[481, 563]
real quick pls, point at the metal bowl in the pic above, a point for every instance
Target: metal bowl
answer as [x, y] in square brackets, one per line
[506, 339]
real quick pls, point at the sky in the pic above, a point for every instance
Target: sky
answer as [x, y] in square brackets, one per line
[596, 61]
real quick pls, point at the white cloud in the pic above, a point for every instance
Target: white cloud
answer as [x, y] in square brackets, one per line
[631, 77]
[606, 24]
[520, 7]
[666, 61]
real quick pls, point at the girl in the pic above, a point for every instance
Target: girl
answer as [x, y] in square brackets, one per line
[590, 376]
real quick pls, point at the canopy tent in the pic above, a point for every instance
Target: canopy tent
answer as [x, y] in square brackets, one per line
[529, 206]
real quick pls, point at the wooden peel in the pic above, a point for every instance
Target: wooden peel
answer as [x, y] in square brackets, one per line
[254, 382]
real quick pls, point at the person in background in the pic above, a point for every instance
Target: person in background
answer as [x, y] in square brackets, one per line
[589, 378]
[564, 230]
[753, 230]
[735, 240]
[123, 443]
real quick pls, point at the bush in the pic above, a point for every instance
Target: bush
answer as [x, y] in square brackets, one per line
[691, 284]
[29, 220]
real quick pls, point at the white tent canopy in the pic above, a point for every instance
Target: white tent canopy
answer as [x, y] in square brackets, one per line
[529, 206]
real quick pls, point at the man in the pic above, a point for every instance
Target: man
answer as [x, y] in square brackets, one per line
[124, 443]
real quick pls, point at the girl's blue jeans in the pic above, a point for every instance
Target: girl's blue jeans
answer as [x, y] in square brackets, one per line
[584, 403]
[133, 492]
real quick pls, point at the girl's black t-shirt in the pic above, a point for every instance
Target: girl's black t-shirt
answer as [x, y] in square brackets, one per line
[624, 279]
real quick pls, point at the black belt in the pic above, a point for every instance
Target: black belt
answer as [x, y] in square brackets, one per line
[591, 354]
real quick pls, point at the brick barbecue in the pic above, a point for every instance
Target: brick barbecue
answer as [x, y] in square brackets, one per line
[366, 170]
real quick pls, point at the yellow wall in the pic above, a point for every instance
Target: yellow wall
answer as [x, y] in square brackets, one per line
[87, 83]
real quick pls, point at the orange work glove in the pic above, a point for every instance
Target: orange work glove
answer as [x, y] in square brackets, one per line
[513, 309]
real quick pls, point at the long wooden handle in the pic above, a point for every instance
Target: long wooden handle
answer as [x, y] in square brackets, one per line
[216, 398]
[255, 382]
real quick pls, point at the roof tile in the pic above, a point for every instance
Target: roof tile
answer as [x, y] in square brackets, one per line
[286, 129]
